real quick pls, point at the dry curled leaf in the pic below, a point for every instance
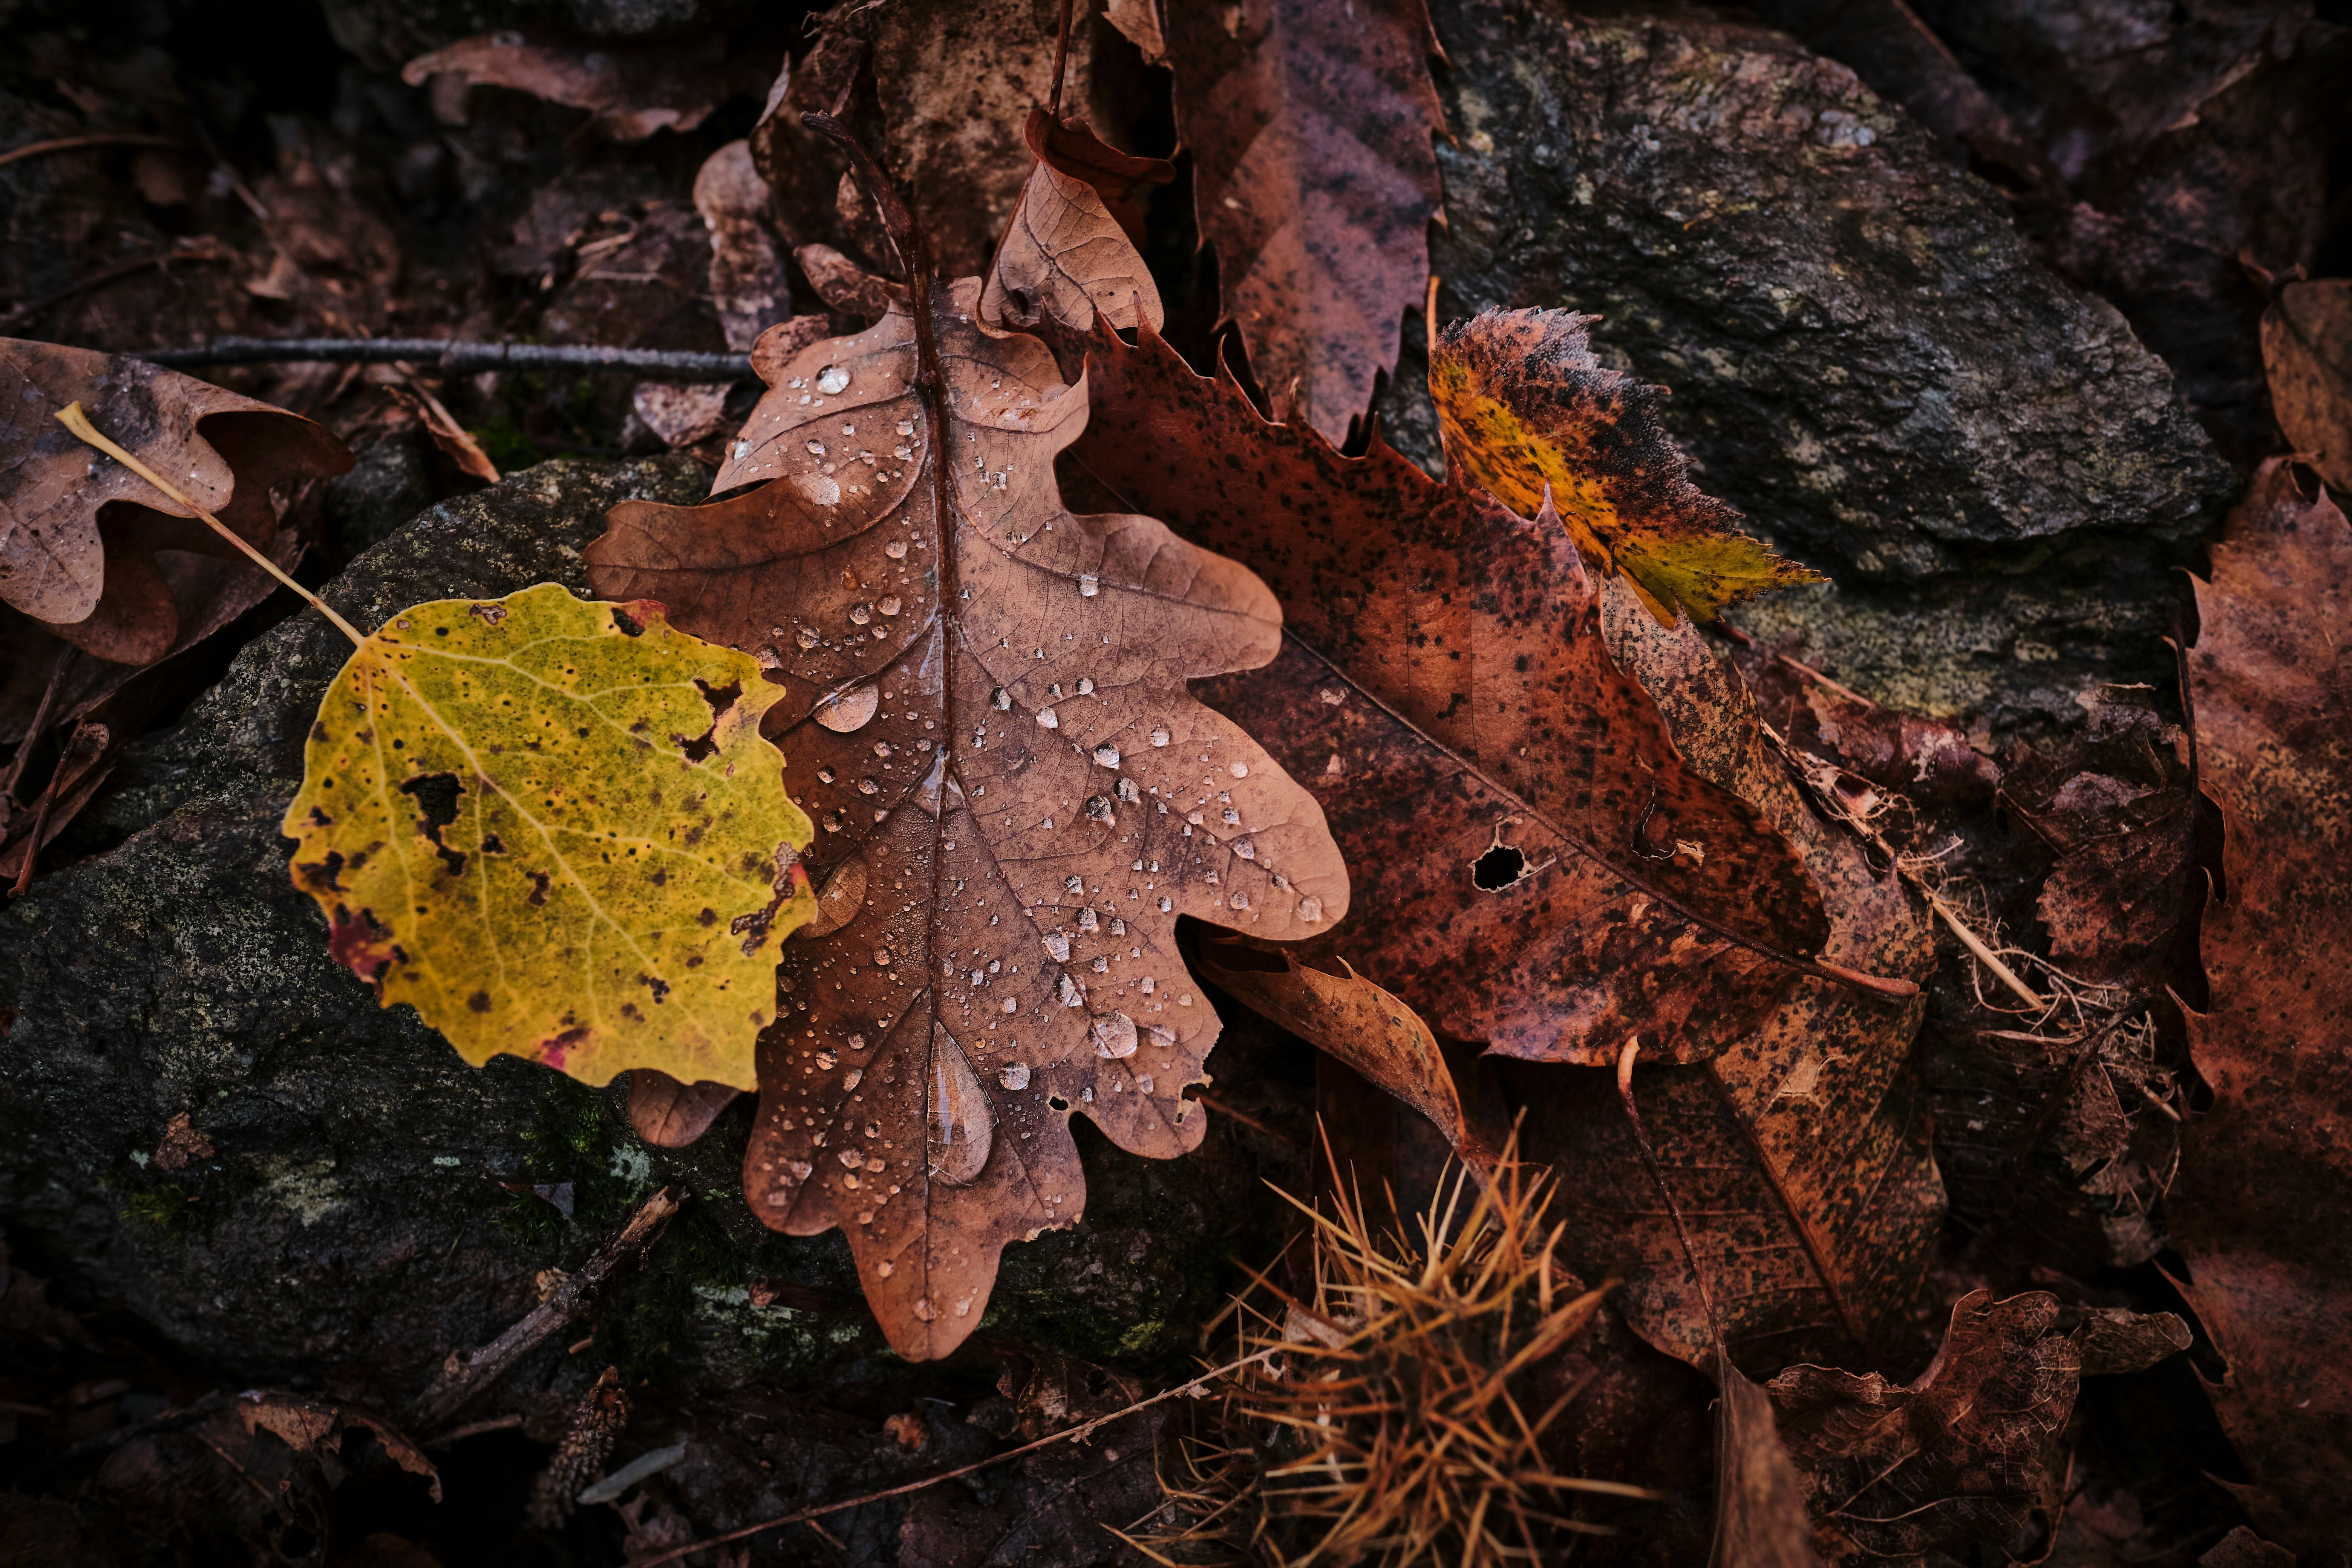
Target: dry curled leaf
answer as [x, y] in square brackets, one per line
[632, 89]
[2259, 1208]
[305, 1424]
[748, 280]
[1067, 254]
[983, 701]
[551, 826]
[79, 534]
[1537, 869]
[2307, 353]
[1526, 408]
[1314, 181]
[1338, 1011]
[1963, 1454]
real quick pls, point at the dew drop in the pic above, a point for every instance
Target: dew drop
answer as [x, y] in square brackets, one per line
[1114, 1035]
[1089, 585]
[1165, 905]
[1010, 1006]
[1014, 1076]
[1311, 908]
[860, 613]
[1239, 901]
[895, 550]
[1047, 720]
[1107, 756]
[742, 449]
[816, 448]
[805, 638]
[833, 381]
[890, 605]
[1239, 769]
[1159, 734]
[1058, 946]
[1086, 686]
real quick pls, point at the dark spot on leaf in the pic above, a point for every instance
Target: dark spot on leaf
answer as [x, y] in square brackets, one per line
[628, 627]
[319, 818]
[479, 1001]
[493, 844]
[708, 917]
[539, 893]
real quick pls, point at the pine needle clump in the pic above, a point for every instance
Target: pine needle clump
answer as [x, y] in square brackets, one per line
[1383, 1422]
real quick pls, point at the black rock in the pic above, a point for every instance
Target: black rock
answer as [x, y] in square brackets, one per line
[1865, 356]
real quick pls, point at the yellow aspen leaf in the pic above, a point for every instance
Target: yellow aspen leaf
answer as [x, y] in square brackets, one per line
[1525, 406]
[551, 826]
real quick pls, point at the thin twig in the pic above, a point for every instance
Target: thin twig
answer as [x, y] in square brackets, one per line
[40, 722]
[1976, 944]
[40, 826]
[474, 1429]
[74, 143]
[452, 355]
[1807, 670]
[74, 419]
[1079, 1431]
[463, 1377]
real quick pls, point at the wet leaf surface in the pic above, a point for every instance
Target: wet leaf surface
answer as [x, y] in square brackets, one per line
[990, 696]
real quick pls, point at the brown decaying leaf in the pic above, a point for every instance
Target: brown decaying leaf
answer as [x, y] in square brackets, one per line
[304, 1423]
[1314, 180]
[1526, 847]
[93, 579]
[2259, 1209]
[846, 286]
[632, 89]
[1759, 1502]
[748, 280]
[1067, 254]
[984, 704]
[1800, 1153]
[2307, 353]
[2119, 890]
[1962, 1454]
[1339, 1011]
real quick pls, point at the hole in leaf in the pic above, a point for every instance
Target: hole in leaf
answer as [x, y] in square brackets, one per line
[437, 794]
[1497, 869]
[1057, 1103]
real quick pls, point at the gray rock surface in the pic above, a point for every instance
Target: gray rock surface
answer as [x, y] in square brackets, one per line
[1864, 355]
[369, 1202]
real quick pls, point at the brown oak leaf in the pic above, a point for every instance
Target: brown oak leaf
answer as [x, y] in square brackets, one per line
[1314, 179]
[985, 708]
[1960, 1454]
[632, 89]
[1536, 867]
[80, 536]
[2259, 1208]
[2305, 334]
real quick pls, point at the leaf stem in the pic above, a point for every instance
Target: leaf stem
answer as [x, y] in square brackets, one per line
[74, 419]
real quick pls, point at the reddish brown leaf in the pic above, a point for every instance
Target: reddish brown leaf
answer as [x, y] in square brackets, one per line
[94, 579]
[1536, 867]
[1800, 1153]
[2308, 352]
[947, 86]
[1962, 1454]
[2260, 1209]
[670, 1114]
[1314, 180]
[985, 706]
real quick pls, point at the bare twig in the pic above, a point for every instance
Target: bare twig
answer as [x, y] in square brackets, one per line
[1976, 945]
[74, 143]
[1807, 670]
[452, 355]
[1081, 1430]
[463, 1377]
[33, 734]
